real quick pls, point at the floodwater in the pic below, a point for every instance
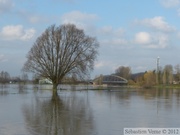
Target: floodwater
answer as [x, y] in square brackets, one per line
[30, 110]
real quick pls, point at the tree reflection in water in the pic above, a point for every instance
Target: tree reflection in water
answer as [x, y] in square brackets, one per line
[59, 116]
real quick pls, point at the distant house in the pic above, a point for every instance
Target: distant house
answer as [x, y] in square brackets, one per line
[45, 81]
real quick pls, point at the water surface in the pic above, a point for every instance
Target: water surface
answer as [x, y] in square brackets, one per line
[30, 110]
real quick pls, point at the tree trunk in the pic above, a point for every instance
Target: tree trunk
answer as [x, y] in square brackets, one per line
[54, 91]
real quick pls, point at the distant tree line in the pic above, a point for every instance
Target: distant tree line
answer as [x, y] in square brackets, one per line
[162, 76]
[6, 78]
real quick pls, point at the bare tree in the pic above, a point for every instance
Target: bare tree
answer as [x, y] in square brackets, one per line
[62, 51]
[124, 72]
[168, 74]
[177, 72]
[4, 77]
[24, 78]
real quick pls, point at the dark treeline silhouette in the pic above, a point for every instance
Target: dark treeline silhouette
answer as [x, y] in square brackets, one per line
[5, 78]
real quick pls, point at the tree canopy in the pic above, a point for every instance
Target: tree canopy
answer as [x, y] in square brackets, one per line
[123, 71]
[60, 51]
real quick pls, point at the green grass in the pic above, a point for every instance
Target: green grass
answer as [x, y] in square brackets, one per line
[170, 86]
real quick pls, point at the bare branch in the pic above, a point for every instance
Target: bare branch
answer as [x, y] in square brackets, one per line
[61, 51]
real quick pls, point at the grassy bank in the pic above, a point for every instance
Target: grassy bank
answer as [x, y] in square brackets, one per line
[170, 86]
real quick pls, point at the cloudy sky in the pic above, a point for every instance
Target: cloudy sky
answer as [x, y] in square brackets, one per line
[130, 32]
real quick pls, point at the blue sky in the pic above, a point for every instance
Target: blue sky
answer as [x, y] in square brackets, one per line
[130, 32]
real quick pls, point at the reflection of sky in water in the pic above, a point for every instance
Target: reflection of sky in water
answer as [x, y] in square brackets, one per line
[13, 129]
[29, 111]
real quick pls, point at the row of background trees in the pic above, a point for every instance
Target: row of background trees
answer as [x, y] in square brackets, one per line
[6, 78]
[164, 75]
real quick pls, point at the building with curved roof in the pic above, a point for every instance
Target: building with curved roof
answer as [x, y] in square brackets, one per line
[110, 80]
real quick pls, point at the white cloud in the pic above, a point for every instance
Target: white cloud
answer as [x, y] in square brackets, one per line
[157, 23]
[162, 40]
[142, 38]
[81, 20]
[28, 34]
[34, 19]
[107, 35]
[112, 37]
[154, 40]
[99, 64]
[37, 18]
[158, 36]
[114, 42]
[77, 16]
[13, 32]
[106, 30]
[5, 5]
[170, 3]
[105, 67]
[109, 31]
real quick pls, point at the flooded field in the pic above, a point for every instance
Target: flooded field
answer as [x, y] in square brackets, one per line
[30, 110]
